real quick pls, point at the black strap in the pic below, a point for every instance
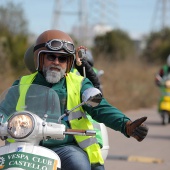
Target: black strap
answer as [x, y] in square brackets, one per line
[39, 46]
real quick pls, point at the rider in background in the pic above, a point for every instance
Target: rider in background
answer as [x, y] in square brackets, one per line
[160, 78]
[164, 71]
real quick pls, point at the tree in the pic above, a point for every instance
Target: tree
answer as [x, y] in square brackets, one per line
[12, 18]
[157, 46]
[115, 45]
[13, 35]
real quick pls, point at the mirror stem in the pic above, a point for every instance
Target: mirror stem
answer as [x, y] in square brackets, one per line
[67, 112]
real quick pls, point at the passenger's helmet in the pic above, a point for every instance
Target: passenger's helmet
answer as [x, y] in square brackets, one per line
[54, 41]
[29, 59]
[168, 60]
[90, 59]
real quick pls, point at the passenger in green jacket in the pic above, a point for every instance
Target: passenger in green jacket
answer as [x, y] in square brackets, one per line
[54, 55]
[163, 72]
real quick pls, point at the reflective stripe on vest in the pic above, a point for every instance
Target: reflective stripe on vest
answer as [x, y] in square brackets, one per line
[77, 119]
[84, 144]
[87, 143]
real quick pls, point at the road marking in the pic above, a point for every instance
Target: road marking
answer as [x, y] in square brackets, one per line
[144, 159]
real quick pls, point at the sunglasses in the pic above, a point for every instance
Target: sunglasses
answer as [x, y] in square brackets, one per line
[52, 57]
[56, 45]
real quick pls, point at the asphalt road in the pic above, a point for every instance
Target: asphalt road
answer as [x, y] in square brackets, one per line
[153, 153]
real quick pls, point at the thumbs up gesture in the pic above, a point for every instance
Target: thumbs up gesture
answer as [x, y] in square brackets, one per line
[137, 129]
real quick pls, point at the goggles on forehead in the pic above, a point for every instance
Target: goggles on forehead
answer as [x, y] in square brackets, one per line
[56, 45]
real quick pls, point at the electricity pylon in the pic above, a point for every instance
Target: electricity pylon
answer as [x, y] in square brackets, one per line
[84, 14]
[161, 15]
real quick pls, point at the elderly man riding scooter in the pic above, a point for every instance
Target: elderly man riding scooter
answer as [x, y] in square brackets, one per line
[54, 55]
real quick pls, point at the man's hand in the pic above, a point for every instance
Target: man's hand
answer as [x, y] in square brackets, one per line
[137, 129]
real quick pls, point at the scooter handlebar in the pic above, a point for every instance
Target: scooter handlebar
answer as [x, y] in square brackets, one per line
[80, 132]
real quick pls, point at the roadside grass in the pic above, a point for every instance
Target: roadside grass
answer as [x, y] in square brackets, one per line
[129, 84]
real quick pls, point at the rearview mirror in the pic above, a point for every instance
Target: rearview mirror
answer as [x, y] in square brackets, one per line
[92, 96]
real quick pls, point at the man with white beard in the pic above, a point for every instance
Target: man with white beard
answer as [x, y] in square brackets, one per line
[53, 73]
[54, 55]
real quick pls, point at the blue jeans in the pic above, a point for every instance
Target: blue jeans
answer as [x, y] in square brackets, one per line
[74, 158]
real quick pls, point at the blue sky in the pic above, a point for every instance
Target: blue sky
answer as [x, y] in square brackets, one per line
[133, 16]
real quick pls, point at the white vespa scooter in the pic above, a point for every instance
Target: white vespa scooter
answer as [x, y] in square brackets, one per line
[28, 127]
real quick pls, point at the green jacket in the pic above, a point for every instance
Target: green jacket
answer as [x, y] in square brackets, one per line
[103, 113]
[165, 69]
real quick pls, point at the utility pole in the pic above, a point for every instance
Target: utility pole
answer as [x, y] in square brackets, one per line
[77, 10]
[60, 10]
[161, 15]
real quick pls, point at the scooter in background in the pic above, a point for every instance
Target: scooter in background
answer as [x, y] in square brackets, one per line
[164, 103]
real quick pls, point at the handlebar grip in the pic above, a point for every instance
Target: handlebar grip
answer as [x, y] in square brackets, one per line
[90, 132]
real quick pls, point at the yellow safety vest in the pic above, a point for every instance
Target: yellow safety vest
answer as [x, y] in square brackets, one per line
[77, 119]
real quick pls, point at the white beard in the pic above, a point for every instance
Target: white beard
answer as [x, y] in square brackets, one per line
[53, 76]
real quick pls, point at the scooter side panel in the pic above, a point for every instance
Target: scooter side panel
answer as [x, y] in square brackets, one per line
[165, 106]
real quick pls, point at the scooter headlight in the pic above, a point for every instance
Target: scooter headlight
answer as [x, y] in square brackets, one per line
[21, 125]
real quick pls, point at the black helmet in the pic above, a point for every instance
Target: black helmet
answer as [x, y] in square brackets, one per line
[29, 59]
[90, 59]
[168, 60]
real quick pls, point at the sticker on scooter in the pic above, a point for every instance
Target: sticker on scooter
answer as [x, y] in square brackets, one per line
[19, 149]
